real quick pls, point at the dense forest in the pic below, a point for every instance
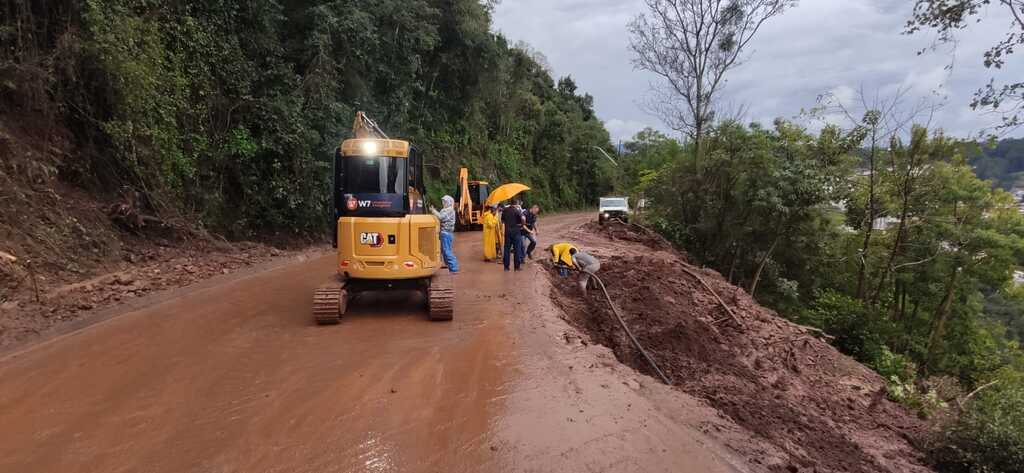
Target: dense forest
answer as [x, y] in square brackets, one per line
[899, 251]
[1001, 162]
[227, 113]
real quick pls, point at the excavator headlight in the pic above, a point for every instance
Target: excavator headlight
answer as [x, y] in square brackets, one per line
[370, 148]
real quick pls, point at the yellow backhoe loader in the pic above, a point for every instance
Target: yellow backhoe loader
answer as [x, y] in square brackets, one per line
[385, 237]
[469, 202]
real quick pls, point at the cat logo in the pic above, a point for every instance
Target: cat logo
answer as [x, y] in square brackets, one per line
[372, 239]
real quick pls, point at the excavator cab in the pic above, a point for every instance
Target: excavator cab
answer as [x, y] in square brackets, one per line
[384, 236]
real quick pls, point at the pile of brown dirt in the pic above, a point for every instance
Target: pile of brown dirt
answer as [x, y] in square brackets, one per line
[616, 231]
[776, 379]
[63, 254]
[23, 317]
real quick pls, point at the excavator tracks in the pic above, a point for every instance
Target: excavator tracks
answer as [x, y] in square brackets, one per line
[441, 296]
[329, 304]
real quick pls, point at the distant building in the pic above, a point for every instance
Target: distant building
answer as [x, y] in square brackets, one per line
[884, 223]
[1018, 194]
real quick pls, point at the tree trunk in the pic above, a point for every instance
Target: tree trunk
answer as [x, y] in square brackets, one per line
[905, 191]
[869, 228]
[941, 317]
[761, 265]
[732, 267]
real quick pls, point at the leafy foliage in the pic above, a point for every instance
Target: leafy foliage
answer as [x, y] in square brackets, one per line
[989, 436]
[228, 113]
[947, 17]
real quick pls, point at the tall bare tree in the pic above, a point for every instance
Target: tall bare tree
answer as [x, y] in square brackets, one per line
[692, 44]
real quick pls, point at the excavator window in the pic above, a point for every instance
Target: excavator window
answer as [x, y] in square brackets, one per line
[474, 195]
[370, 186]
[416, 170]
[375, 175]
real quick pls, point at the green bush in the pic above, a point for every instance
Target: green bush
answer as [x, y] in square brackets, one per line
[924, 401]
[894, 365]
[988, 437]
[858, 331]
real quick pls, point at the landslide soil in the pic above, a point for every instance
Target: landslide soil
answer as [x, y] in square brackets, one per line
[235, 376]
[63, 258]
[811, 407]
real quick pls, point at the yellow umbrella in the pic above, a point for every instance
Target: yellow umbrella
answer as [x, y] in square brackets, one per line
[505, 192]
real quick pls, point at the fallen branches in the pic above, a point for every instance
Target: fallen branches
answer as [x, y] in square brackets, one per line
[9, 257]
[961, 402]
[719, 299]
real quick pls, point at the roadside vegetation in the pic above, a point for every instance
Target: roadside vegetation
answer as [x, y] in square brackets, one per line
[878, 231]
[922, 292]
[226, 114]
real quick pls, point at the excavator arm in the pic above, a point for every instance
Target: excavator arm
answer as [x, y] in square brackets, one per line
[364, 127]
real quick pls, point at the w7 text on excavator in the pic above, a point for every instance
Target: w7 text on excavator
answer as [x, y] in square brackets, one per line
[385, 238]
[469, 201]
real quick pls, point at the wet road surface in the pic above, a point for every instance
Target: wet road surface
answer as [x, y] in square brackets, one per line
[236, 377]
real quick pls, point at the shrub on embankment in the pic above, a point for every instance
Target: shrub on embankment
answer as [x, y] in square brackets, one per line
[896, 249]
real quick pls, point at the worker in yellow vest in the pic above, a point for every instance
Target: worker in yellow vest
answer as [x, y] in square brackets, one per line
[566, 257]
[561, 256]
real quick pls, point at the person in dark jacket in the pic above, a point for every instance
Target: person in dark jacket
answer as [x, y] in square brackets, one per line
[513, 220]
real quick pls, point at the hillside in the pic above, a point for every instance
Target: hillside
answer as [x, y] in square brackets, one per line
[810, 407]
[226, 115]
[1003, 164]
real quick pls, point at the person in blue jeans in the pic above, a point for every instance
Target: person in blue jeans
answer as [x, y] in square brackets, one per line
[447, 218]
[513, 219]
[530, 230]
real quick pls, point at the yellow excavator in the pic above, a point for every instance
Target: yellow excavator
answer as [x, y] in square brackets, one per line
[384, 235]
[469, 202]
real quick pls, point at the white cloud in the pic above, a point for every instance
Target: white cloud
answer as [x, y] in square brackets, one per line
[817, 47]
[623, 130]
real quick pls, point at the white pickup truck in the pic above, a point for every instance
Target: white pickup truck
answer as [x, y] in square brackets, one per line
[613, 207]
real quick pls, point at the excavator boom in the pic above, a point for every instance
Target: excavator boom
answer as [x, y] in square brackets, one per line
[364, 127]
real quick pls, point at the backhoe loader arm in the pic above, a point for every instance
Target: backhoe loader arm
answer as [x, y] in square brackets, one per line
[465, 204]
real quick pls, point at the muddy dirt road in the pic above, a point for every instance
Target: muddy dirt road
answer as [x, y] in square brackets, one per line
[237, 378]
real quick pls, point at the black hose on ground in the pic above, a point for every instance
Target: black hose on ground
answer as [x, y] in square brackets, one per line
[629, 332]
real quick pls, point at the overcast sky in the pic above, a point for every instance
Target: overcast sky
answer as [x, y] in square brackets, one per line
[818, 47]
